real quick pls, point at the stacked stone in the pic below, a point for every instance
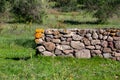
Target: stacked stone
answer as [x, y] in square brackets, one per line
[80, 43]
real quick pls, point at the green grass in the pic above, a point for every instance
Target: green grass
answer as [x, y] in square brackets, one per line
[17, 50]
[50, 68]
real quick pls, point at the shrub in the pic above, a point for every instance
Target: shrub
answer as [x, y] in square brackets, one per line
[28, 10]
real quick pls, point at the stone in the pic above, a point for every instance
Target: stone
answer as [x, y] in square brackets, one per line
[88, 35]
[95, 42]
[77, 45]
[69, 39]
[117, 54]
[59, 47]
[107, 55]
[104, 44]
[84, 53]
[56, 33]
[107, 50]
[118, 34]
[40, 48]
[56, 40]
[69, 55]
[58, 52]
[65, 43]
[48, 39]
[97, 47]
[110, 38]
[47, 53]
[90, 47]
[95, 35]
[100, 36]
[77, 37]
[117, 45]
[82, 32]
[68, 51]
[116, 38]
[39, 41]
[63, 39]
[105, 37]
[111, 45]
[96, 53]
[86, 41]
[48, 32]
[101, 31]
[63, 47]
[50, 36]
[67, 36]
[118, 58]
[49, 46]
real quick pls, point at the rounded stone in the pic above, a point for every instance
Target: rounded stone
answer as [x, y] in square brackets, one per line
[84, 53]
[117, 45]
[49, 46]
[47, 53]
[40, 48]
[95, 35]
[77, 45]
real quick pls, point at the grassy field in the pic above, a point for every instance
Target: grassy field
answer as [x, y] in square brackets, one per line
[17, 50]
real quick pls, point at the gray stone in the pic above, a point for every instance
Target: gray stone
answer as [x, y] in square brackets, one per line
[86, 41]
[104, 44]
[65, 43]
[96, 53]
[88, 35]
[117, 45]
[95, 42]
[100, 36]
[40, 48]
[110, 38]
[105, 37]
[117, 54]
[68, 51]
[63, 39]
[118, 34]
[116, 38]
[97, 47]
[39, 41]
[49, 46]
[77, 37]
[90, 47]
[77, 45]
[101, 31]
[63, 47]
[107, 50]
[58, 52]
[48, 39]
[56, 40]
[69, 55]
[84, 53]
[106, 55]
[47, 53]
[48, 32]
[50, 36]
[69, 39]
[95, 35]
[67, 36]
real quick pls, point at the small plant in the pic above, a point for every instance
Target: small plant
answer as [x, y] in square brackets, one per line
[39, 33]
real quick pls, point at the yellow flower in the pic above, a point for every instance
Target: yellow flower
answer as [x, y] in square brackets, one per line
[38, 35]
[39, 31]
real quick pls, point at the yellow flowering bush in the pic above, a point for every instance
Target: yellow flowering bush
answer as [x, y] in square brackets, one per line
[39, 33]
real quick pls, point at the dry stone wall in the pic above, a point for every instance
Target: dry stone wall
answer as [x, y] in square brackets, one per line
[80, 43]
